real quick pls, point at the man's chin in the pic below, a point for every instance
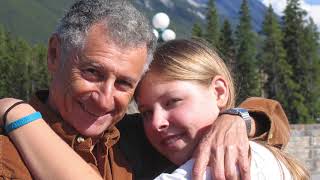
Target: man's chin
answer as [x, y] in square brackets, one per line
[91, 132]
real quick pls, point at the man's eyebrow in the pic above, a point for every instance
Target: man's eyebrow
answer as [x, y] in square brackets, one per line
[84, 61]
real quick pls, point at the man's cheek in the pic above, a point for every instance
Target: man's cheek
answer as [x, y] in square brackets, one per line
[80, 87]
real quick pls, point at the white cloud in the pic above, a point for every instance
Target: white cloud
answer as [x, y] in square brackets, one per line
[168, 3]
[312, 9]
[194, 3]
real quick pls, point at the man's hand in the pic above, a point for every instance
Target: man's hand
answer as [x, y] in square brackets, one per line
[224, 148]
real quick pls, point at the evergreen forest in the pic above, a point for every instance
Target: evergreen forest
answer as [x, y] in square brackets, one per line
[281, 62]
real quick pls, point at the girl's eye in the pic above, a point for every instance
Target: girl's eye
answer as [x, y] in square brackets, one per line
[147, 115]
[173, 102]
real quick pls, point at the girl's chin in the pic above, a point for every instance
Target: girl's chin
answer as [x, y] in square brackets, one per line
[178, 159]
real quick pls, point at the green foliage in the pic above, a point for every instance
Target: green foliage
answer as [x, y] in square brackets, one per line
[197, 31]
[276, 71]
[294, 44]
[246, 70]
[226, 44]
[311, 88]
[212, 33]
[22, 67]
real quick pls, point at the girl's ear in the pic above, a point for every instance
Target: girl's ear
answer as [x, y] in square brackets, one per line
[221, 90]
[54, 53]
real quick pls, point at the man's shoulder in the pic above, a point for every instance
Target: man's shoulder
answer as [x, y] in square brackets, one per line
[131, 128]
[131, 118]
[131, 124]
[11, 163]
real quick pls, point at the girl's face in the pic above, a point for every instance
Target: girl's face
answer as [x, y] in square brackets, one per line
[176, 113]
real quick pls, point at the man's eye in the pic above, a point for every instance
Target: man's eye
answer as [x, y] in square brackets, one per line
[173, 102]
[91, 74]
[90, 71]
[123, 85]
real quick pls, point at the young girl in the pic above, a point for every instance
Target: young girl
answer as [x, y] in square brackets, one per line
[188, 85]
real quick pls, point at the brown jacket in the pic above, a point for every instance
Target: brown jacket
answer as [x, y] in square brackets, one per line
[133, 147]
[272, 118]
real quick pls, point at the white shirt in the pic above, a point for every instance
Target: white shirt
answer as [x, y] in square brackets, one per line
[264, 166]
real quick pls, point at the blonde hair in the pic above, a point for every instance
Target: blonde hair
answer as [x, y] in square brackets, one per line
[297, 170]
[191, 60]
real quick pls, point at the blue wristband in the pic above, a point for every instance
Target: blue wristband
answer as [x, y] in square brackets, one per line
[22, 121]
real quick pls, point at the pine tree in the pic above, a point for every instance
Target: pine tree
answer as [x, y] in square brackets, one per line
[20, 52]
[23, 67]
[226, 44]
[311, 89]
[5, 61]
[39, 72]
[197, 31]
[293, 42]
[277, 72]
[246, 71]
[3, 39]
[212, 33]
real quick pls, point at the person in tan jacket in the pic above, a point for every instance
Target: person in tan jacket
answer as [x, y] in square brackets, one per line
[97, 55]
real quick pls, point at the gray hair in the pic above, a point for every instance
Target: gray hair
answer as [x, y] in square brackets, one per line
[126, 26]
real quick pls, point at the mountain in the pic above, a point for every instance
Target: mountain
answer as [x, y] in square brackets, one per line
[184, 13]
[34, 20]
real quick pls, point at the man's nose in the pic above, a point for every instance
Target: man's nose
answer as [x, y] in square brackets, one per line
[105, 97]
[159, 120]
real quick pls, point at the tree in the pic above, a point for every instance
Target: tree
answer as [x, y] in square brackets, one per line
[3, 40]
[39, 68]
[197, 31]
[311, 90]
[23, 67]
[293, 42]
[246, 71]
[226, 44]
[277, 72]
[212, 33]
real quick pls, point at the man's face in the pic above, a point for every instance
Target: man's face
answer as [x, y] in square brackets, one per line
[92, 89]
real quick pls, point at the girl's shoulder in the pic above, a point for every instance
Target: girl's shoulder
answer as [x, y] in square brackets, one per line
[265, 165]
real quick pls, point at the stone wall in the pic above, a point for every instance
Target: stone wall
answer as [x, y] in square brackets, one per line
[305, 146]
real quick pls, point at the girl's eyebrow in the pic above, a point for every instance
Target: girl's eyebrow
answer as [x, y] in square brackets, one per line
[169, 93]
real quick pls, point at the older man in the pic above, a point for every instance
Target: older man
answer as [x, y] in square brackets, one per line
[96, 57]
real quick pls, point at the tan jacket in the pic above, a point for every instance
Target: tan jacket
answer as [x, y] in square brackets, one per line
[112, 160]
[272, 118]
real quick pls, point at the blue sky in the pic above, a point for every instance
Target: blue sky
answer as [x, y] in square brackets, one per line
[313, 1]
[311, 6]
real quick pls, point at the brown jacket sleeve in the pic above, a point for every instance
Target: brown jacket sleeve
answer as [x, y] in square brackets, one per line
[270, 115]
[11, 164]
